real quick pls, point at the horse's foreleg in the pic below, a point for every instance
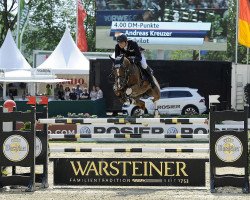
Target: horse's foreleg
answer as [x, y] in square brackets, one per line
[156, 113]
[137, 90]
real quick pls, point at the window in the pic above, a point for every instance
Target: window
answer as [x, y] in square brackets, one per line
[164, 95]
[179, 94]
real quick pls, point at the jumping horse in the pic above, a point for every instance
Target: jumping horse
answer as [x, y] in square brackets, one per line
[129, 84]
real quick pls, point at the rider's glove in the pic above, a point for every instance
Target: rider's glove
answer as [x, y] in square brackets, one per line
[131, 60]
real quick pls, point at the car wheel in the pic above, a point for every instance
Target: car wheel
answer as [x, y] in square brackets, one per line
[190, 110]
[136, 112]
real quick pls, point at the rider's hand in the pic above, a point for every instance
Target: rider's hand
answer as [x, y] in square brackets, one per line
[131, 60]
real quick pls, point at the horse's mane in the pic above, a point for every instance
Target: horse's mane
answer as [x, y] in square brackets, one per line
[126, 62]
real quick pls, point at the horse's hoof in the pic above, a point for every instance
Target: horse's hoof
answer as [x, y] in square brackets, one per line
[157, 115]
[128, 91]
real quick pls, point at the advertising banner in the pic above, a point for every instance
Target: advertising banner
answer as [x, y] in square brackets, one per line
[141, 129]
[151, 129]
[178, 33]
[129, 171]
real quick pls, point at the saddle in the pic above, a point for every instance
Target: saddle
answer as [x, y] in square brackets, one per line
[141, 70]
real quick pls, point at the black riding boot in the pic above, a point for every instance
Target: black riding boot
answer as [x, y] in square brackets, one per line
[149, 75]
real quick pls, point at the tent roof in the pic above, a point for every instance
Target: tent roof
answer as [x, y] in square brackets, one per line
[27, 77]
[10, 56]
[56, 80]
[66, 58]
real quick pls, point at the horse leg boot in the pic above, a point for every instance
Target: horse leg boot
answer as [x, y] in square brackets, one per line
[156, 112]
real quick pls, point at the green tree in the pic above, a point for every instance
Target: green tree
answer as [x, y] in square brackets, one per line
[229, 55]
[8, 17]
[48, 21]
[46, 26]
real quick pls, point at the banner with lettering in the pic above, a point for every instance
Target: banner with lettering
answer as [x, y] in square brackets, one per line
[129, 171]
[160, 12]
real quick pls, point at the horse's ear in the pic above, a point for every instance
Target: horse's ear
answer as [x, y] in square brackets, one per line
[112, 59]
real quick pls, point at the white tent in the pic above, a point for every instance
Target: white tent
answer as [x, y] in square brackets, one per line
[10, 56]
[27, 76]
[66, 58]
[15, 68]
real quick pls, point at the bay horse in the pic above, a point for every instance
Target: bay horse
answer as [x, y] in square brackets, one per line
[129, 84]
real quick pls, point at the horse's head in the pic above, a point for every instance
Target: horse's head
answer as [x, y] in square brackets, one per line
[120, 71]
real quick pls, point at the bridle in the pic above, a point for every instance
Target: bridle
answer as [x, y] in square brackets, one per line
[121, 74]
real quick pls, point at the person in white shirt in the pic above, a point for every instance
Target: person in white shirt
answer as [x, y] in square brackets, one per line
[99, 93]
[93, 93]
[66, 93]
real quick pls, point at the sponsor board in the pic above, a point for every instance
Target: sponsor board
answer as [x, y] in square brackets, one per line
[228, 148]
[71, 129]
[158, 129]
[15, 148]
[129, 171]
[67, 129]
[39, 147]
[142, 129]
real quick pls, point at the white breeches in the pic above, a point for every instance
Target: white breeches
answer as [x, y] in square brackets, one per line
[143, 61]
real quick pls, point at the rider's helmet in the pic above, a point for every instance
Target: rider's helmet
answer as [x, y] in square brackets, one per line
[122, 38]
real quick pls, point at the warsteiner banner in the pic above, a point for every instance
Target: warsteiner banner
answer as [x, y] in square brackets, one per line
[129, 171]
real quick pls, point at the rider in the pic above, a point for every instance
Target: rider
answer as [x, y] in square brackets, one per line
[131, 50]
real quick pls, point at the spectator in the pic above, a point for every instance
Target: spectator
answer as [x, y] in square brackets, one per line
[93, 93]
[84, 95]
[126, 4]
[101, 5]
[148, 15]
[78, 90]
[73, 94]
[11, 96]
[48, 91]
[23, 96]
[137, 4]
[191, 4]
[99, 93]
[61, 92]
[56, 90]
[66, 93]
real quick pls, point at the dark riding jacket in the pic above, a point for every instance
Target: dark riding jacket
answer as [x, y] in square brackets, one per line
[132, 49]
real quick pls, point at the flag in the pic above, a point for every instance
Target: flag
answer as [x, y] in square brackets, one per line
[81, 33]
[31, 100]
[244, 23]
[41, 100]
[23, 15]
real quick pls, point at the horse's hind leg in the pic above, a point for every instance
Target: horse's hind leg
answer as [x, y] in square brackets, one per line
[141, 105]
[137, 90]
[155, 93]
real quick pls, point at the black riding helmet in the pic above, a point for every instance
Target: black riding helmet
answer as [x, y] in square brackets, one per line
[122, 38]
